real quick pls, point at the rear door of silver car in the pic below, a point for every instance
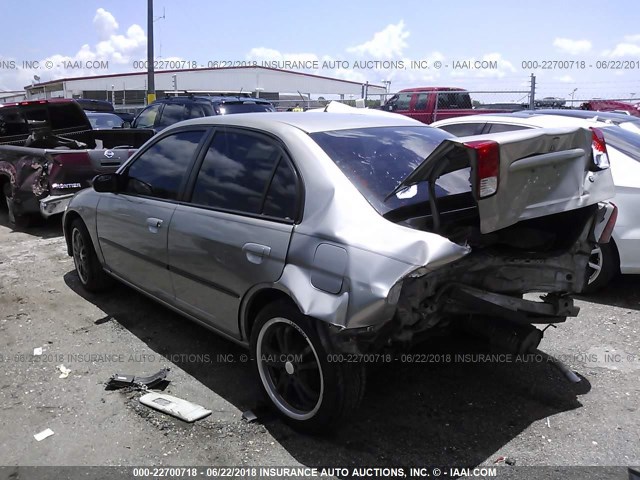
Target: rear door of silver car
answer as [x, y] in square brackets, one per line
[132, 224]
[233, 230]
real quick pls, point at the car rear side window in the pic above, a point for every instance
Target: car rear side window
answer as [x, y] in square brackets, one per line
[454, 100]
[281, 197]
[197, 110]
[67, 115]
[421, 103]
[171, 113]
[236, 171]
[161, 169]
[12, 122]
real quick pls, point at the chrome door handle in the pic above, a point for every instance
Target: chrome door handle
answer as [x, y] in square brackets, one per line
[154, 224]
[255, 252]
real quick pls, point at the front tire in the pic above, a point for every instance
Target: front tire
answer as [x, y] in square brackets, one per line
[91, 274]
[298, 374]
[603, 266]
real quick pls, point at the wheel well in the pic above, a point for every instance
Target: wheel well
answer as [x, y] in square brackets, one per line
[258, 302]
[68, 219]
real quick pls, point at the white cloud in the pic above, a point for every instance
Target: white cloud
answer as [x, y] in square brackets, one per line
[574, 47]
[632, 38]
[263, 53]
[490, 65]
[105, 24]
[118, 49]
[565, 79]
[624, 50]
[388, 43]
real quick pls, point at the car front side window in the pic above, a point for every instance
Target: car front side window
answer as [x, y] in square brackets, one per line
[161, 169]
[147, 117]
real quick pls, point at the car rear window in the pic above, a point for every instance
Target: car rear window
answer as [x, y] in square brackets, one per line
[12, 122]
[624, 140]
[243, 107]
[377, 159]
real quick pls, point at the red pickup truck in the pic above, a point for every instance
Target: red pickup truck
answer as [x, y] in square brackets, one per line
[428, 104]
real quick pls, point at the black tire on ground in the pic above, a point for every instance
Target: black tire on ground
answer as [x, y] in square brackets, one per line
[7, 200]
[603, 266]
[91, 274]
[306, 385]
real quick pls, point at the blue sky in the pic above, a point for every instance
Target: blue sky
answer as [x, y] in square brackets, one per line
[506, 32]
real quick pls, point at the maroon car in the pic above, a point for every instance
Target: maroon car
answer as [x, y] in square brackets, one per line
[48, 152]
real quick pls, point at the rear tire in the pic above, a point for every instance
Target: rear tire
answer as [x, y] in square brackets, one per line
[308, 387]
[7, 198]
[90, 272]
[603, 266]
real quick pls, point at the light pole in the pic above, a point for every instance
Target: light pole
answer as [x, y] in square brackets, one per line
[151, 86]
[387, 90]
[572, 95]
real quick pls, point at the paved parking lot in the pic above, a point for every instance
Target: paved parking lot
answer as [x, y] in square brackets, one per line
[456, 412]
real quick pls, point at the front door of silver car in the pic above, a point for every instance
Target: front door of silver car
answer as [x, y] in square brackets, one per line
[233, 233]
[132, 224]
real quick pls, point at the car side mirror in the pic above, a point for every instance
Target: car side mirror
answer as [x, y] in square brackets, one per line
[126, 124]
[106, 183]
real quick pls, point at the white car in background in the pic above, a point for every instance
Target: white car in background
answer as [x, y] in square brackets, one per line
[622, 253]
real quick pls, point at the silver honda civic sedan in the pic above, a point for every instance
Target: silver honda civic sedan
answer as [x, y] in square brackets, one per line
[321, 240]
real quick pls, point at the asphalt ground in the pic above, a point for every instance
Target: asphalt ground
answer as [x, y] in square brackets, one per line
[452, 405]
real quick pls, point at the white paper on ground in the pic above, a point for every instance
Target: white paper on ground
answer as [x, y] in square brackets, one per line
[65, 371]
[43, 434]
[187, 411]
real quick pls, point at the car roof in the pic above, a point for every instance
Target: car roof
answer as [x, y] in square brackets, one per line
[210, 99]
[309, 122]
[99, 114]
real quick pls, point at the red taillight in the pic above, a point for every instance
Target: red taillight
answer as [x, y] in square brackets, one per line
[599, 149]
[487, 166]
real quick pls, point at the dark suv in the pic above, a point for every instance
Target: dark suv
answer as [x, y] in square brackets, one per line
[167, 111]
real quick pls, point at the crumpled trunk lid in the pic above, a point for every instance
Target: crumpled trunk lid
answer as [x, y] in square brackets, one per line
[541, 172]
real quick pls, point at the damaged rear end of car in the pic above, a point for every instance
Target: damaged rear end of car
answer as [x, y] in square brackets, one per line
[535, 209]
[528, 206]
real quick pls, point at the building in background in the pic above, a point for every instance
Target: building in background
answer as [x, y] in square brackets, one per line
[127, 91]
[10, 96]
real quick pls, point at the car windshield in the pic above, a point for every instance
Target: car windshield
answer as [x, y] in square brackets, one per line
[243, 107]
[624, 140]
[377, 159]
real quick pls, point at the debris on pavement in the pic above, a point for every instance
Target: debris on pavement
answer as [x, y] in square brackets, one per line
[505, 460]
[64, 371]
[183, 409]
[37, 351]
[249, 416]
[43, 434]
[118, 380]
